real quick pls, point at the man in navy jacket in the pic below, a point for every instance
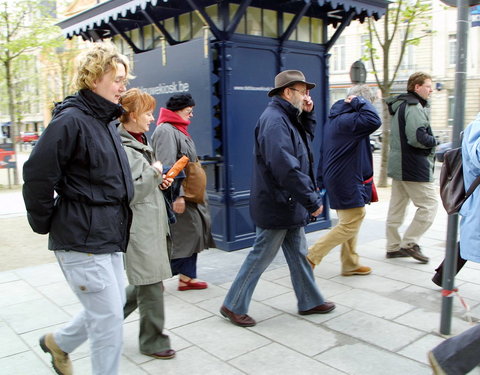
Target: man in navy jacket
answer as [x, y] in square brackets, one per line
[346, 171]
[283, 198]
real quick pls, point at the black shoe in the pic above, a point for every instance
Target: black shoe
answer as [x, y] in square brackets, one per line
[397, 254]
[437, 279]
[416, 253]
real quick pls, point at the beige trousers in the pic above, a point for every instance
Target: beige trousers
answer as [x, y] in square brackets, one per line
[423, 196]
[344, 233]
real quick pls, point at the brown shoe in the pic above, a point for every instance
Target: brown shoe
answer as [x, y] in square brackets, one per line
[166, 354]
[362, 270]
[320, 309]
[417, 254]
[311, 263]
[242, 320]
[60, 361]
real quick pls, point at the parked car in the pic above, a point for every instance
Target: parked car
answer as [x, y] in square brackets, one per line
[29, 137]
[441, 149]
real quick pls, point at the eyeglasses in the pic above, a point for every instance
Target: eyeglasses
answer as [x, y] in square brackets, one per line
[303, 93]
[188, 111]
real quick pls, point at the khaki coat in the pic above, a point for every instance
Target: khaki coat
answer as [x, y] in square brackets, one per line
[147, 258]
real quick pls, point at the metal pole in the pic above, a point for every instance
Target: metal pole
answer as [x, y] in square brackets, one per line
[450, 264]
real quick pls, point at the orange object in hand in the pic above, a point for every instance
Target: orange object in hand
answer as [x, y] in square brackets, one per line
[177, 167]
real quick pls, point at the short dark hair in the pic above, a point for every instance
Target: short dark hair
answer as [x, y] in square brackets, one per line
[417, 78]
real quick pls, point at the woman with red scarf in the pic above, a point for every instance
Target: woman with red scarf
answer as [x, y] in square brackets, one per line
[191, 232]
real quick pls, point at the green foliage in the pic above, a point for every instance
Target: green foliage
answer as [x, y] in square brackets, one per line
[25, 24]
[405, 22]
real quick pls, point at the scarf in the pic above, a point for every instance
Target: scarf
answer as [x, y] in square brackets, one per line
[138, 136]
[172, 118]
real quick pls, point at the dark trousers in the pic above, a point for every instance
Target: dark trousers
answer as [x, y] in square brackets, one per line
[149, 300]
[437, 278]
[185, 266]
[460, 354]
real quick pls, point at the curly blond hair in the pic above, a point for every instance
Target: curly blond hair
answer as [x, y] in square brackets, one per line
[136, 101]
[96, 61]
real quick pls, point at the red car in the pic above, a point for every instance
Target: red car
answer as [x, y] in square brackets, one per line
[29, 137]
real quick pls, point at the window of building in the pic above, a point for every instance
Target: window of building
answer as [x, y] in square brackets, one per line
[452, 49]
[254, 21]
[270, 25]
[185, 25]
[197, 26]
[316, 30]
[338, 55]
[364, 53]
[451, 108]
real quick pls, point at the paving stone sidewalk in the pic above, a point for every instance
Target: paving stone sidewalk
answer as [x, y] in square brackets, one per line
[384, 323]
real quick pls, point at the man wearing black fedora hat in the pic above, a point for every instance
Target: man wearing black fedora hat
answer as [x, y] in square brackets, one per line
[283, 198]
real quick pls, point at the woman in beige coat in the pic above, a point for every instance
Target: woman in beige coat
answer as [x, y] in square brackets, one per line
[147, 258]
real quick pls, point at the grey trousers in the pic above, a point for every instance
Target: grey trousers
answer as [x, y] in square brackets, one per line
[97, 280]
[149, 300]
[460, 354]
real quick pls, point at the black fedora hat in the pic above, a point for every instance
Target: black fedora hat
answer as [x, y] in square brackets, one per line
[288, 78]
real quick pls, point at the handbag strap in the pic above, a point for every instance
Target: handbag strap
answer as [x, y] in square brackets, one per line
[472, 187]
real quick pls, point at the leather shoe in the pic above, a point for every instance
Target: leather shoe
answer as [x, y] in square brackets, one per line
[397, 254]
[242, 320]
[191, 284]
[362, 270]
[320, 309]
[166, 354]
[416, 253]
[60, 361]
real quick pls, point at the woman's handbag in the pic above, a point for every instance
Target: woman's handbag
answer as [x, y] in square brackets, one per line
[374, 197]
[195, 183]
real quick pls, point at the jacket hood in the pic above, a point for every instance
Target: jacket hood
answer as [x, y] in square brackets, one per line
[92, 104]
[340, 107]
[394, 102]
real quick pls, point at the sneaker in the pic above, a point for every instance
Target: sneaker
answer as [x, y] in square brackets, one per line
[416, 253]
[60, 361]
[437, 369]
[397, 254]
[362, 270]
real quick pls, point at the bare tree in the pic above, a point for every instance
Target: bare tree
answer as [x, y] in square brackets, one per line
[25, 27]
[405, 22]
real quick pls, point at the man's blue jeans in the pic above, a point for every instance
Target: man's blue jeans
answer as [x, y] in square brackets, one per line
[266, 246]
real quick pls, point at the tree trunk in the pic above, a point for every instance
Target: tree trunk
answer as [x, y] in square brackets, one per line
[11, 109]
[383, 179]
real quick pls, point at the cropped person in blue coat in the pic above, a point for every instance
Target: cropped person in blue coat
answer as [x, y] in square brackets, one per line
[470, 221]
[346, 172]
[283, 198]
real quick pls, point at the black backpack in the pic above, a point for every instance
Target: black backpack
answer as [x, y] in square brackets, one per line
[452, 188]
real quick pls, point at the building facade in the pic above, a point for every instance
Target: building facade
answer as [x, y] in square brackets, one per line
[435, 54]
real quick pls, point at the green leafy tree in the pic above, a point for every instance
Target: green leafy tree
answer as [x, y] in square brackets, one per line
[405, 22]
[26, 26]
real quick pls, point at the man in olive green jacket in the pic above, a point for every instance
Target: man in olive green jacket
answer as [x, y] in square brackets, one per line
[410, 165]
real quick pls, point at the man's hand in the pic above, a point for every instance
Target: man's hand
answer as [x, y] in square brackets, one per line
[317, 212]
[179, 205]
[350, 98]
[307, 102]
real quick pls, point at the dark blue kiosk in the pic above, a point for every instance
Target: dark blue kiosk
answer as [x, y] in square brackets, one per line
[226, 53]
